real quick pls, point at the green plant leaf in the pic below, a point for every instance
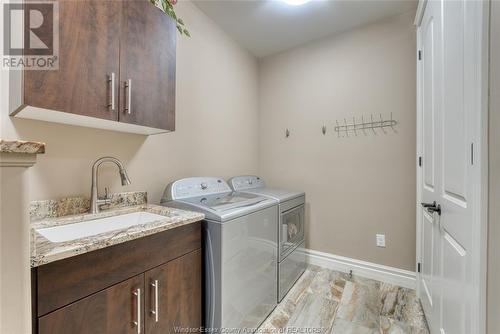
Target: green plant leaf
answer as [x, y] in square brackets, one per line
[168, 9]
[171, 12]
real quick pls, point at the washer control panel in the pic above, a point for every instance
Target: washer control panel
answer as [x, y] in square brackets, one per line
[196, 186]
[240, 183]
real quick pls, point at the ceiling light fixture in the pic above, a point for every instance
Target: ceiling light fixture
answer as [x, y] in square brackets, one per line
[295, 2]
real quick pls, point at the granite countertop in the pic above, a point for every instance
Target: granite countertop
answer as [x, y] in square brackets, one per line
[44, 251]
[20, 146]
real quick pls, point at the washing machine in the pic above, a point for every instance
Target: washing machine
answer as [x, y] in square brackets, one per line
[240, 250]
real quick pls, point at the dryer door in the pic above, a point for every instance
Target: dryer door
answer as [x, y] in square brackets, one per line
[292, 230]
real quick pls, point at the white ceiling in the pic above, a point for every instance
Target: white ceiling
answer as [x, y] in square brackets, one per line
[265, 27]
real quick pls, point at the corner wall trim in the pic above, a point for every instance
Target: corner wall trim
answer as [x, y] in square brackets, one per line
[420, 12]
[400, 277]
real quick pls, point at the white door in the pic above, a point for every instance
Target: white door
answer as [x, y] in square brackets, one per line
[429, 54]
[450, 115]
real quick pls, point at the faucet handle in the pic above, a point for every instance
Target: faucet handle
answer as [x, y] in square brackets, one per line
[106, 195]
[106, 199]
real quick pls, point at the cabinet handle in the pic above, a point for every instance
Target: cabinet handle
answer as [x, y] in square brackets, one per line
[111, 82]
[128, 100]
[137, 323]
[154, 311]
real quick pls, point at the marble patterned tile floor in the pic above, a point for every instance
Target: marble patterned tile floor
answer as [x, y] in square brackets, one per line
[327, 301]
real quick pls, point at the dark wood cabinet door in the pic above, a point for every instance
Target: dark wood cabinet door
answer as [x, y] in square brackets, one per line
[179, 295]
[89, 49]
[147, 65]
[111, 311]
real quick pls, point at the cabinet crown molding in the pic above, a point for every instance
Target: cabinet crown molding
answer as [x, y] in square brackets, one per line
[17, 159]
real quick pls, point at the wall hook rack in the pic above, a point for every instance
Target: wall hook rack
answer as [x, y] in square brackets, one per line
[346, 128]
[323, 129]
[287, 133]
[363, 125]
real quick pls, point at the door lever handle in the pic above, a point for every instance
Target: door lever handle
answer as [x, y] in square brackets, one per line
[433, 209]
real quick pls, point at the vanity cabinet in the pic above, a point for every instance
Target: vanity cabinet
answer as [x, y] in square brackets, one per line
[148, 285]
[108, 311]
[170, 292]
[116, 70]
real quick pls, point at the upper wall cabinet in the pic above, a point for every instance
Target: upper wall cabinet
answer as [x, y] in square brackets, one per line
[88, 56]
[147, 66]
[116, 70]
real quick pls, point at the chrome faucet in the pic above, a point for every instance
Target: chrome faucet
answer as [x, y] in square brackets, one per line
[95, 201]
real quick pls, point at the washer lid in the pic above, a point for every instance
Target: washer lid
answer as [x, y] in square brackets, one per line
[213, 197]
[226, 202]
[224, 207]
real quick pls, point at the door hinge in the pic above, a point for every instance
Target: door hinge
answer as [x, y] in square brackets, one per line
[419, 54]
[472, 153]
[418, 267]
[420, 161]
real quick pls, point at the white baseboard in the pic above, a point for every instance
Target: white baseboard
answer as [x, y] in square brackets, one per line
[400, 277]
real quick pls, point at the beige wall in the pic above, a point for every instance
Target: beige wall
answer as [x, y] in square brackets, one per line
[357, 186]
[493, 292]
[216, 126]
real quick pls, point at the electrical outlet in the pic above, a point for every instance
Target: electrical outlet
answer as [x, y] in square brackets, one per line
[380, 238]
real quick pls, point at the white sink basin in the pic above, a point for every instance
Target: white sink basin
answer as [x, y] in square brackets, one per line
[97, 226]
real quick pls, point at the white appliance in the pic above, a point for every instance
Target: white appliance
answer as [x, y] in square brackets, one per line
[240, 250]
[291, 242]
